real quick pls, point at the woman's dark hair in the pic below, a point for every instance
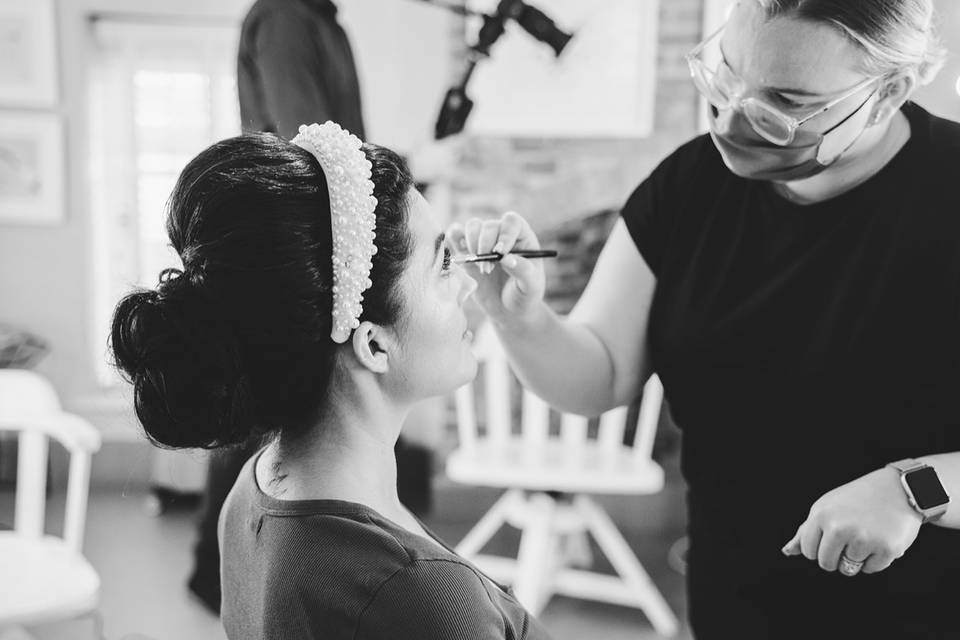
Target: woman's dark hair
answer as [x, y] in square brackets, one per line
[238, 346]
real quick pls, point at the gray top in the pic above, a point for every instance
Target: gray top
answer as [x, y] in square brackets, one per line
[331, 569]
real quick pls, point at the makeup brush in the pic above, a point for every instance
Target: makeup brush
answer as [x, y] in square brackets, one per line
[496, 257]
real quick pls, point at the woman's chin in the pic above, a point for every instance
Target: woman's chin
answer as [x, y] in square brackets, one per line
[448, 377]
[466, 372]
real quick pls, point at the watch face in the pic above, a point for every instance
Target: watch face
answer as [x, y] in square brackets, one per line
[926, 488]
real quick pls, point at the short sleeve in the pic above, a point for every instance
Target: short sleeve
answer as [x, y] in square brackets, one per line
[436, 600]
[651, 210]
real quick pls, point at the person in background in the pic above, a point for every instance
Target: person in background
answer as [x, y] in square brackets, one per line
[295, 65]
[794, 279]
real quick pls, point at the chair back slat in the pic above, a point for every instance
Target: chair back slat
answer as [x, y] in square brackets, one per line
[31, 483]
[466, 415]
[613, 424]
[573, 431]
[649, 418]
[497, 379]
[497, 383]
[78, 489]
[535, 424]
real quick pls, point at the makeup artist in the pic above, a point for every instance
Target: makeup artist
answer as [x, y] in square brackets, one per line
[794, 279]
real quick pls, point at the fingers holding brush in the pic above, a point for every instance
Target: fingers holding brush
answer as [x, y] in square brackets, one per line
[519, 283]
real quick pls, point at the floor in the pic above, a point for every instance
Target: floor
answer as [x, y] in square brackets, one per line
[143, 560]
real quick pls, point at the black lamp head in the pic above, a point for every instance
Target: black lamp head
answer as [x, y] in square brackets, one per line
[541, 27]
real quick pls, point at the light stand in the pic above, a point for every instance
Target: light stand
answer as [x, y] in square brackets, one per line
[457, 104]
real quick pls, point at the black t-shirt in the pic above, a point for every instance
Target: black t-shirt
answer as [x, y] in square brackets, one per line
[802, 347]
[335, 570]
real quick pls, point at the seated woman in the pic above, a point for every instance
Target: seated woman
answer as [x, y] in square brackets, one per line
[317, 303]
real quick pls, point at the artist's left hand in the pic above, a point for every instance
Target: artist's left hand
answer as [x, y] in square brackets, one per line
[867, 520]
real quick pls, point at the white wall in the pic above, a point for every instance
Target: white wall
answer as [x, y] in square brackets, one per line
[46, 272]
[942, 96]
[403, 50]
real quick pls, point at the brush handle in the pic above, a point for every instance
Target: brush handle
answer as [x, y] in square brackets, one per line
[496, 257]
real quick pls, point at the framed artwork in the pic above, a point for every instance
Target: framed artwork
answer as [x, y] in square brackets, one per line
[31, 168]
[28, 54]
[608, 67]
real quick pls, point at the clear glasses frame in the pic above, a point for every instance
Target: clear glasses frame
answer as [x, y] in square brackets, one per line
[768, 121]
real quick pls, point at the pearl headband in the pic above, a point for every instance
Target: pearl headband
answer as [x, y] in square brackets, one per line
[352, 218]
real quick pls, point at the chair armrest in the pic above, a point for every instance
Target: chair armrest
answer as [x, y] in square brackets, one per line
[72, 431]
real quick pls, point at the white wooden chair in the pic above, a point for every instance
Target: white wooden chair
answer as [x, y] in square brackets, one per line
[44, 578]
[548, 481]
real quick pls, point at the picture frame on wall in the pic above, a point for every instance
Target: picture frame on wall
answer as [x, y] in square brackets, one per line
[609, 66]
[31, 168]
[28, 54]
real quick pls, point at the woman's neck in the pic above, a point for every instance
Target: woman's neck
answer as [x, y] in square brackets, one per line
[868, 155]
[348, 455]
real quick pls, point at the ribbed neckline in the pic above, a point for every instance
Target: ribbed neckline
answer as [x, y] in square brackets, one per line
[328, 507]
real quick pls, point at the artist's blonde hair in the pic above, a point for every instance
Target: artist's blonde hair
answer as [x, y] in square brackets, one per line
[895, 35]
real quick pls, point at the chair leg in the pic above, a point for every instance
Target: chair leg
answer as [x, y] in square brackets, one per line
[577, 551]
[98, 629]
[537, 555]
[488, 525]
[625, 563]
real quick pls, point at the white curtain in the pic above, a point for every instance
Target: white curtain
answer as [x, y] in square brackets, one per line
[160, 92]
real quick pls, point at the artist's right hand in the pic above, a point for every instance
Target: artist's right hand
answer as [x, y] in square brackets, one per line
[509, 291]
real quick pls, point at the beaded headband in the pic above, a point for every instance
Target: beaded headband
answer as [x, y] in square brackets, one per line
[352, 218]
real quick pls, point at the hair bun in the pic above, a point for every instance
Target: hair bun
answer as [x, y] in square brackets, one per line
[184, 365]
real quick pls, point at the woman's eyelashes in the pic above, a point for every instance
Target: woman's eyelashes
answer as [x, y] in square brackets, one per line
[447, 259]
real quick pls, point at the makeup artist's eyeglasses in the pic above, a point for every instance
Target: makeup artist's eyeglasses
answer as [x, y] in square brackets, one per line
[725, 90]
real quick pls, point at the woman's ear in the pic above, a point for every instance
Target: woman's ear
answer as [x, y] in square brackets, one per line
[892, 94]
[372, 345]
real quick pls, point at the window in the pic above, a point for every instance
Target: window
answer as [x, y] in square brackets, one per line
[160, 93]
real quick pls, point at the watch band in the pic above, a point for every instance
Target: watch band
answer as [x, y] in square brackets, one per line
[907, 464]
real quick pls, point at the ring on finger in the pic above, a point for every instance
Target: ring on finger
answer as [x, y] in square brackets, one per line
[850, 567]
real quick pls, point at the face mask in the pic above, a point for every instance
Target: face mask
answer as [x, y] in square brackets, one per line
[750, 156]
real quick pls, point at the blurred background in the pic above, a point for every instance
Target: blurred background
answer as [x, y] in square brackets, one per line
[102, 102]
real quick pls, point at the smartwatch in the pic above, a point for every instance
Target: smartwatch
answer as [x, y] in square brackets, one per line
[925, 493]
